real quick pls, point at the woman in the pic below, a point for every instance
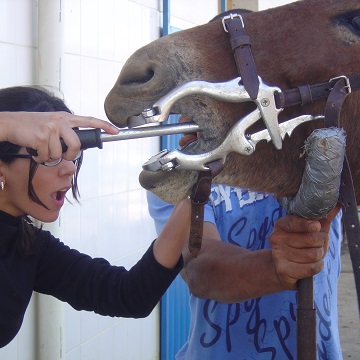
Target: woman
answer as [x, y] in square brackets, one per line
[33, 259]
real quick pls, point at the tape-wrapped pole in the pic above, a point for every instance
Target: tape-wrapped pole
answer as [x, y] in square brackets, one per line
[317, 196]
[319, 189]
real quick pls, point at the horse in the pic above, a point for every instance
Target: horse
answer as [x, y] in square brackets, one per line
[303, 43]
[298, 49]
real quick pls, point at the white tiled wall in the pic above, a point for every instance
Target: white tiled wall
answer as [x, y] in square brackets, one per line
[112, 220]
[17, 41]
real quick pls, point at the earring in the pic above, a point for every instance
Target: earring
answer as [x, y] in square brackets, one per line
[2, 185]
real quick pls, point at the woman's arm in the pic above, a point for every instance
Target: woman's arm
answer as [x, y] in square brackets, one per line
[170, 242]
[95, 285]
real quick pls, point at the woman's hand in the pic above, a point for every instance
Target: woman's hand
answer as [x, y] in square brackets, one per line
[42, 131]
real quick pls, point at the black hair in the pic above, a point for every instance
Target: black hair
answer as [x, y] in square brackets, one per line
[31, 99]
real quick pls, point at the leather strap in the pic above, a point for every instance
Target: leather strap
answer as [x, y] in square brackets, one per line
[306, 95]
[199, 197]
[334, 104]
[347, 193]
[303, 96]
[241, 46]
[351, 223]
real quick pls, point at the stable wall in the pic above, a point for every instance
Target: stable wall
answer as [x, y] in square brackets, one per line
[112, 220]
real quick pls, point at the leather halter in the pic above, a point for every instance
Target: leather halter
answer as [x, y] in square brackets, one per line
[347, 193]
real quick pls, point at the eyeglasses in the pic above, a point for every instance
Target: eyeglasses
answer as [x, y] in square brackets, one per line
[46, 163]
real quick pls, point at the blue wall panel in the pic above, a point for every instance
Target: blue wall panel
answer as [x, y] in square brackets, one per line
[174, 305]
[175, 319]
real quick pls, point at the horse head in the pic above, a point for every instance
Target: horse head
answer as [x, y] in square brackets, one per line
[305, 42]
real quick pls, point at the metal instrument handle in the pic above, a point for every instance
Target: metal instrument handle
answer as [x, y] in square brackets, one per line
[91, 138]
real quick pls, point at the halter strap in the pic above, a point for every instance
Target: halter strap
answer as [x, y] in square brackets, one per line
[199, 197]
[307, 94]
[347, 193]
[241, 46]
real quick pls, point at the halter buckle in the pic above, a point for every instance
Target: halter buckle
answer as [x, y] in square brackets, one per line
[347, 82]
[230, 17]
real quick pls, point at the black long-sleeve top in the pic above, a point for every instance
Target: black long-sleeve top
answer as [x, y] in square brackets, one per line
[85, 283]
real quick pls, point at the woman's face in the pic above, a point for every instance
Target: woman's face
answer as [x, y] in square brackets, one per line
[50, 185]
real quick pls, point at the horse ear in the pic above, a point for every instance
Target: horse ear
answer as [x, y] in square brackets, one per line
[228, 12]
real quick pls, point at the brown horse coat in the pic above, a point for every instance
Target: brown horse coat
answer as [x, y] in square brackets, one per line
[305, 42]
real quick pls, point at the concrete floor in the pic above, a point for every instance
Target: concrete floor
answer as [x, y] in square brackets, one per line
[349, 323]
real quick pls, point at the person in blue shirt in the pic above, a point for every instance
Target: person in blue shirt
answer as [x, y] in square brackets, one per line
[242, 285]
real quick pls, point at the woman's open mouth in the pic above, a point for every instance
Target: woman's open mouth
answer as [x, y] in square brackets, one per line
[59, 197]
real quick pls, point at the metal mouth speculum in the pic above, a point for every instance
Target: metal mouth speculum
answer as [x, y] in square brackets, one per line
[237, 139]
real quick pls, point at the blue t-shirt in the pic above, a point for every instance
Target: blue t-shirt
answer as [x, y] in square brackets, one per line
[265, 327]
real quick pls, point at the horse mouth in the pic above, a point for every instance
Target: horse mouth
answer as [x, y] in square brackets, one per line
[188, 139]
[194, 143]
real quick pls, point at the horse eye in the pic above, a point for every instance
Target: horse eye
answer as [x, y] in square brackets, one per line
[355, 22]
[349, 20]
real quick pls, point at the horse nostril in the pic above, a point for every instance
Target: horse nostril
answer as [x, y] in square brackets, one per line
[138, 77]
